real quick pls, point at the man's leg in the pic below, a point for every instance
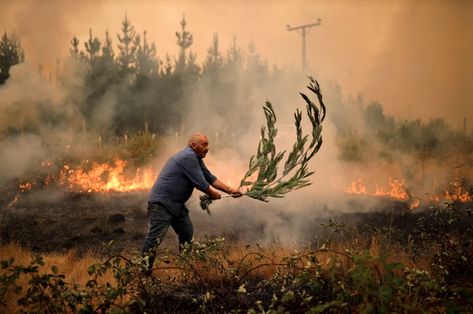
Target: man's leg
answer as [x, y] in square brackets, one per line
[183, 227]
[159, 220]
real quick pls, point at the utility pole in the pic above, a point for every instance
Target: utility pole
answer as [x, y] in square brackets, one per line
[303, 30]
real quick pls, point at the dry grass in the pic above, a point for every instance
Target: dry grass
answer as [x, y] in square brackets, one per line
[249, 262]
[69, 264]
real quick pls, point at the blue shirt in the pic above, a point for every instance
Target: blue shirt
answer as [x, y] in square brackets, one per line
[180, 175]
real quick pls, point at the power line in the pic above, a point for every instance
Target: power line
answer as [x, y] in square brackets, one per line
[303, 30]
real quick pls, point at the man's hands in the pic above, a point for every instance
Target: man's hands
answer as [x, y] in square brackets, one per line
[234, 193]
[225, 188]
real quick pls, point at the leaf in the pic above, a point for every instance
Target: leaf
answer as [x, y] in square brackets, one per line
[241, 289]
[267, 159]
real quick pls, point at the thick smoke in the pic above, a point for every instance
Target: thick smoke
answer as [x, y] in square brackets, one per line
[353, 146]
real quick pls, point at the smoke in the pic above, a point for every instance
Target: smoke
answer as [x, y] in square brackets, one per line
[418, 58]
[423, 66]
[19, 154]
[45, 27]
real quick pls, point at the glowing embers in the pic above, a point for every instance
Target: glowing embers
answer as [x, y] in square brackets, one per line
[25, 186]
[104, 177]
[458, 193]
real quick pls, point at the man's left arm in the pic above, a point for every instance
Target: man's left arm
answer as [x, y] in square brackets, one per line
[216, 183]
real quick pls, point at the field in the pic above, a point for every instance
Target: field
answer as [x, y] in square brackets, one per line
[80, 255]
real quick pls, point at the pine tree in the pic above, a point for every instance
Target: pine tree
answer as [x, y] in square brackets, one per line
[146, 62]
[92, 46]
[107, 49]
[255, 67]
[184, 41]
[192, 68]
[11, 53]
[214, 61]
[75, 47]
[235, 55]
[128, 46]
[167, 68]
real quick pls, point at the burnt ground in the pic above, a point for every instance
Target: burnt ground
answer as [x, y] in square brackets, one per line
[58, 221]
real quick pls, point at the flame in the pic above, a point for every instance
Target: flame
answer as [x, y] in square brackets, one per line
[25, 186]
[458, 193]
[104, 177]
[356, 187]
[396, 190]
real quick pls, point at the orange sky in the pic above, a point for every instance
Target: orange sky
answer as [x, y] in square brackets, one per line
[416, 54]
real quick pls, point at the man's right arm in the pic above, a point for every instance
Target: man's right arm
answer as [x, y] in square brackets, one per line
[212, 193]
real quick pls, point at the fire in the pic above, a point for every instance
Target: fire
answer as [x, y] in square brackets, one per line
[25, 186]
[93, 177]
[356, 187]
[397, 190]
[104, 177]
[458, 193]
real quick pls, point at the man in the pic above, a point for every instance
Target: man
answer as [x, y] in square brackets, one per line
[181, 174]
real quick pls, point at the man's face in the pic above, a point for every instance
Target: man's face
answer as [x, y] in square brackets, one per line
[201, 146]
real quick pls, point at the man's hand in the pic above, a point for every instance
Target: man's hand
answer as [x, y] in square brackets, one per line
[225, 188]
[235, 193]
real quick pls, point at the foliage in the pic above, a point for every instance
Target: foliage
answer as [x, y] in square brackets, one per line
[212, 276]
[50, 292]
[267, 160]
[11, 53]
[140, 148]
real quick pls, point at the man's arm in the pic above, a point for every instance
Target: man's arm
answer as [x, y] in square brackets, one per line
[212, 193]
[219, 185]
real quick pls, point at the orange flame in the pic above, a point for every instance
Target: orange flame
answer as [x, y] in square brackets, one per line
[398, 191]
[103, 177]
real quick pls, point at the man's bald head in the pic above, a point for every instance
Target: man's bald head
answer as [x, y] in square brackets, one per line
[196, 138]
[199, 143]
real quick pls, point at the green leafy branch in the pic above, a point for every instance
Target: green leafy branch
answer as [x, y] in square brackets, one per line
[267, 160]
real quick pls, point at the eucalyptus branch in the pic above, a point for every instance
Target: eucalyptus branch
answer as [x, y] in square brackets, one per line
[266, 161]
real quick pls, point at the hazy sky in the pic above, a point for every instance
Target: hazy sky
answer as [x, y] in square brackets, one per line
[404, 54]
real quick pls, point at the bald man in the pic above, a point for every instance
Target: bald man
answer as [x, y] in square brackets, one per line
[166, 204]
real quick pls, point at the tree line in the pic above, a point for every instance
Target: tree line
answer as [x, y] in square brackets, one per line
[142, 90]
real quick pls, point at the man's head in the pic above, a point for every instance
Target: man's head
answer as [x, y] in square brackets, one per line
[199, 143]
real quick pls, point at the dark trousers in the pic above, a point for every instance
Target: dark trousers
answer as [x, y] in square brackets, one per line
[159, 220]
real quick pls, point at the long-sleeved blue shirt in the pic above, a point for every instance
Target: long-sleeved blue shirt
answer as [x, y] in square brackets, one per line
[180, 175]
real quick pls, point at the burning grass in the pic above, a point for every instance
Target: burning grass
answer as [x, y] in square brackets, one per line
[390, 268]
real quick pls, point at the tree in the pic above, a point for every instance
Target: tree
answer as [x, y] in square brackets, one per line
[11, 53]
[107, 49]
[146, 62]
[235, 55]
[129, 43]
[184, 41]
[214, 62]
[75, 47]
[92, 46]
[256, 69]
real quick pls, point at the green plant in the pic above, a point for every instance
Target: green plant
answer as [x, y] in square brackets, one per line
[266, 161]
